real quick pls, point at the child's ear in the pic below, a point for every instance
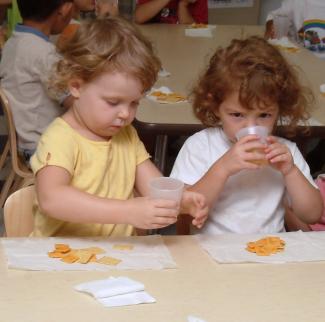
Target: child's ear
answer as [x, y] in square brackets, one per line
[74, 87]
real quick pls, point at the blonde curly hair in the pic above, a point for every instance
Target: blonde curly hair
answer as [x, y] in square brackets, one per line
[261, 75]
[105, 45]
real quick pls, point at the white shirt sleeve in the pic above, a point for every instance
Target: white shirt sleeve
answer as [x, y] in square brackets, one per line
[191, 163]
[301, 164]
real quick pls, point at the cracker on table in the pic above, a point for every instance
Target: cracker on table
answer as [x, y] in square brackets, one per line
[266, 246]
[108, 260]
[123, 246]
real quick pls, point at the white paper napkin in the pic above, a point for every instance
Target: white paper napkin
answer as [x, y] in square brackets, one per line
[149, 252]
[299, 247]
[163, 73]
[119, 291]
[322, 89]
[192, 318]
[110, 287]
[200, 32]
[162, 89]
[127, 299]
[283, 42]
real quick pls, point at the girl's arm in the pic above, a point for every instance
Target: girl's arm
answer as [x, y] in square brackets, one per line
[306, 200]
[184, 15]
[293, 223]
[58, 199]
[145, 172]
[148, 10]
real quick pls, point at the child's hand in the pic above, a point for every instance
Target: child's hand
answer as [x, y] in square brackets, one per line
[243, 155]
[106, 8]
[149, 213]
[269, 30]
[279, 156]
[194, 204]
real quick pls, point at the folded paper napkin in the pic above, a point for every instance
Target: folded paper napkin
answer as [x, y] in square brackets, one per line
[200, 32]
[163, 73]
[192, 318]
[164, 95]
[116, 291]
[284, 43]
[322, 89]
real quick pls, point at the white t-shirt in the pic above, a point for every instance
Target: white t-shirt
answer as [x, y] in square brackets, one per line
[27, 58]
[251, 200]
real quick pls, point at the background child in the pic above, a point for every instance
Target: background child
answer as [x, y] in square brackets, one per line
[90, 160]
[307, 23]
[171, 11]
[248, 83]
[103, 8]
[27, 59]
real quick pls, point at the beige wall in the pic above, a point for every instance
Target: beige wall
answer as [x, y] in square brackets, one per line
[235, 16]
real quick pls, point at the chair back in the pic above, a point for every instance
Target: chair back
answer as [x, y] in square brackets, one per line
[18, 212]
[19, 175]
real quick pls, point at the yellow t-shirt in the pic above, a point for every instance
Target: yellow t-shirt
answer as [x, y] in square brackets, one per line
[105, 169]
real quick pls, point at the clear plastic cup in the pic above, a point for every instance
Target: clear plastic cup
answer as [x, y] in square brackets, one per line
[166, 188]
[281, 25]
[262, 132]
[259, 130]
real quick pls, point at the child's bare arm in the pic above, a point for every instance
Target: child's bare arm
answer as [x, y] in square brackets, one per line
[58, 199]
[293, 223]
[306, 201]
[184, 15]
[145, 172]
[148, 10]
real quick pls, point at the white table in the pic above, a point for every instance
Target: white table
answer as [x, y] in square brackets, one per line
[199, 286]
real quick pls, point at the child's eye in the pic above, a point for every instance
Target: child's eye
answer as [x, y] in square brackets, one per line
[112, 103]
[265, 115]
[236, 114]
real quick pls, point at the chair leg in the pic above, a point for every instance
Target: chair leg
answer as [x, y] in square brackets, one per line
[183, 225]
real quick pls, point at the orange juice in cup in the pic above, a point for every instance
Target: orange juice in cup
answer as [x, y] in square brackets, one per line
[262, 132]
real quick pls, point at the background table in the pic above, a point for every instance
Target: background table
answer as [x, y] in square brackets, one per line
[186, 57]
[199, 286]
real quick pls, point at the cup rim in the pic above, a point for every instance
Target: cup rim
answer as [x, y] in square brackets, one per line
[180, 184]
[256, 129]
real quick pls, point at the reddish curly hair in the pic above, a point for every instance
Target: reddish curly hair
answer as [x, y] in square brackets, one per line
[261, 75]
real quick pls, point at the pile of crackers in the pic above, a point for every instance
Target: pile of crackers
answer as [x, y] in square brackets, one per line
[168, 97]
[266, 246]
[198, 25]
[85, 255]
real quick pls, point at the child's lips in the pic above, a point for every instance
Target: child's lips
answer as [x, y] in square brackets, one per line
[117, 127]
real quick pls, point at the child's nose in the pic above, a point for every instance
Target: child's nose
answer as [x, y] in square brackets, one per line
[251, 123]
[124, 113]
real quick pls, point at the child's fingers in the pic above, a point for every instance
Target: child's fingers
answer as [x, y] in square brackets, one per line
[277, 150]
[165, 203]
[279, 158]
[163, 220]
